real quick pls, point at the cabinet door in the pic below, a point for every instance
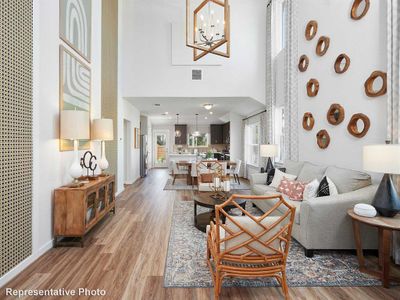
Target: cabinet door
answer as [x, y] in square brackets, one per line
[110, 193]
[181, 140]
[101, 203]
[90, 208]
[216, 134]
[226, 135]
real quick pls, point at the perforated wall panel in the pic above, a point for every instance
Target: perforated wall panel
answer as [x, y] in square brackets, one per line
[15, 132]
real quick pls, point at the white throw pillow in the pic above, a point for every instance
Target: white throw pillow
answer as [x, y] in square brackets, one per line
[332, 187]
[311, 189]
[279, 176]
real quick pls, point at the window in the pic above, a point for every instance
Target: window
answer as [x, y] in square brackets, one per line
[253, 144]
[279, 131]
[279, 25]
[199, 141]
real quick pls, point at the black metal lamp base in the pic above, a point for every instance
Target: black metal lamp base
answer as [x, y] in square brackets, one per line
[269, 166]
[387, 198]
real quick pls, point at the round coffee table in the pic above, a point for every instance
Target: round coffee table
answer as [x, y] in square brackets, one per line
[204, 199]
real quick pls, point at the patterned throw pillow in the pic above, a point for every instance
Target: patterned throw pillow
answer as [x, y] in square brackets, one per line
[327, 188]
[292, 188]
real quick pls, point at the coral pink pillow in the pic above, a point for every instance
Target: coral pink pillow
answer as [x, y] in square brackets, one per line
[293, 189]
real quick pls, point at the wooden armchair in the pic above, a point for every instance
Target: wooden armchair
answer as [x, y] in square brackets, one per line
[248, 246]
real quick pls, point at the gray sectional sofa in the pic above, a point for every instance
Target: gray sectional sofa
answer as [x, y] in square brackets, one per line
[323, 223]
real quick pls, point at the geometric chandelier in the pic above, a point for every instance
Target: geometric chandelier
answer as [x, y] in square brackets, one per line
[208, 27]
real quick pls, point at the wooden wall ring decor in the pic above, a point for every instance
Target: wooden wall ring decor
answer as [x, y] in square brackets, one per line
[323, 139]
[338, 63]
[369, 84]
[311, 30]
[303, 63]
[353, 128]
[308, 121]
[312, 87]
[322, 45]
[354, 9]
[335, 114]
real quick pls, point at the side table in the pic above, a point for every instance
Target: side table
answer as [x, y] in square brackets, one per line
[385, 227]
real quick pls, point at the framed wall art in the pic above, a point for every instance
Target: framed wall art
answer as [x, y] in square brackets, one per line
[76, 25]
[75, 90]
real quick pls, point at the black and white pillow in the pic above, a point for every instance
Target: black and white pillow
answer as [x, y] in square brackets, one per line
[271, 175]
[327, 188]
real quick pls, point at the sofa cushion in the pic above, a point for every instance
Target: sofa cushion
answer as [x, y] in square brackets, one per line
[262, 189]
[311, 171]
[348, 180]
[293, 167]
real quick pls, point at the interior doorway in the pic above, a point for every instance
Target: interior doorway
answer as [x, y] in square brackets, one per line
[127, 151]
[160, 148]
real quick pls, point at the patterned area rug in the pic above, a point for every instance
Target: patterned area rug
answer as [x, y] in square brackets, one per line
[180, 184]
[186, 261]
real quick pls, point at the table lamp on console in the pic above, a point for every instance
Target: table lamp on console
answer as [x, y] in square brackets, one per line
[269, 151]
[102, 130]
[74, 125]
[384, 159]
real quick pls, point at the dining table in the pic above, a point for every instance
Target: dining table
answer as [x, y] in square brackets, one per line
[188, 165]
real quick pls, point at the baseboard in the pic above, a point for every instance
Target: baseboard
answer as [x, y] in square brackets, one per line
[25, 263]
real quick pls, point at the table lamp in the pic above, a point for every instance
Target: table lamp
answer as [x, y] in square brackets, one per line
[384, 159]
[74, 125]
[102, 130]
[269, 151]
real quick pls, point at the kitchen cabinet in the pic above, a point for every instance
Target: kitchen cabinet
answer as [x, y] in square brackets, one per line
[226, 133]
[182, 140]
[220, 134]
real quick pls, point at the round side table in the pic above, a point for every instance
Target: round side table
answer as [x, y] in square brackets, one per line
[385, 227]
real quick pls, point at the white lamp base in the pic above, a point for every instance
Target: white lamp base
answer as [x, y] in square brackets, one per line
[103, 163]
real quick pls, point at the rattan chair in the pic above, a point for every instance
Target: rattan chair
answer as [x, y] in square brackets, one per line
[250, 246]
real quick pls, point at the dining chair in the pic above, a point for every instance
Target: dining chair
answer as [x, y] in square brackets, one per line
[178, 170]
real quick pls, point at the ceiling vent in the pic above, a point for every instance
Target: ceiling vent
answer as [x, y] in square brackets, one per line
[197, 75]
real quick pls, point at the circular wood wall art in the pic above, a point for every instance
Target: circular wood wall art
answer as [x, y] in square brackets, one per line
[323, 139]
[308, 121]
[335, 114]
[322, 45]
[342, 58]
[311, 30]
[355, 128]
[303, 63]
[359, 9]
[312, 87]
[369, 84]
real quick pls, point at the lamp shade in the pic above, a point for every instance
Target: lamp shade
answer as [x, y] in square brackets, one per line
[102, 130]
[74, 125]
[383, 158]
[268, 150]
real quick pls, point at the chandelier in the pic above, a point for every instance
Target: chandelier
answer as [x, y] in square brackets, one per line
[208, 27]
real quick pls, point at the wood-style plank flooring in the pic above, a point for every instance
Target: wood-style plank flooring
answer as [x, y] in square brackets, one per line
[125, 255]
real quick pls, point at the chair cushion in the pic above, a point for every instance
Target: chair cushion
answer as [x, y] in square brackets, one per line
[348, 180]
[293, 167]
[311, 171]
[206, 178]
[251, 226]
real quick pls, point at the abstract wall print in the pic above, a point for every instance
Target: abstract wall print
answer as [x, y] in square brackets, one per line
[76, 25]
[75, 92]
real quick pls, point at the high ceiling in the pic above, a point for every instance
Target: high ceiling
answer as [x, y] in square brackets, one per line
[188, 107]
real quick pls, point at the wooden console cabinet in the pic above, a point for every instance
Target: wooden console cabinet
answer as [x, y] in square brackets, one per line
[77, 210]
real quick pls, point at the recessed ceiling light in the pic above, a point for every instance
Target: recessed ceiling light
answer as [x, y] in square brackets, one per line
[208, 106]
[211, 112]
[205, 118]
[157, 104]
[166, 113]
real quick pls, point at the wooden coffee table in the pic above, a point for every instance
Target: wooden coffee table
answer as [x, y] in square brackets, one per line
[204, 199]
[385, 228]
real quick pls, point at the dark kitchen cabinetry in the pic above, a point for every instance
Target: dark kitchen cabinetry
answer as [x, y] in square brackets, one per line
[226, 133]
[220, 134]
[181, 140]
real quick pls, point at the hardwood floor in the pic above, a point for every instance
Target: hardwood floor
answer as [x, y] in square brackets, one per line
[125, 255]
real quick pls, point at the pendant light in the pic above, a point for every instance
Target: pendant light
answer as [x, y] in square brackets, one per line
[178, 133]
[196, 132]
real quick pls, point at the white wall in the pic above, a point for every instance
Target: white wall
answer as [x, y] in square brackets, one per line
[50, 166]
[364, 42]
[146, 53]
[132, 114]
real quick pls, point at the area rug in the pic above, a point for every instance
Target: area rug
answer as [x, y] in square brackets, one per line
[186, 264]
[181, 185]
